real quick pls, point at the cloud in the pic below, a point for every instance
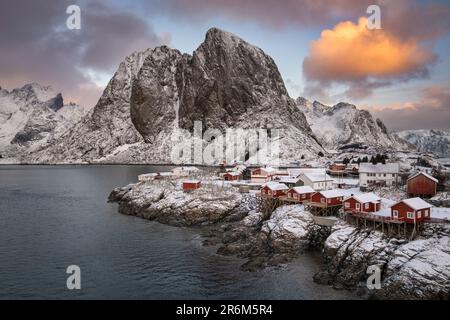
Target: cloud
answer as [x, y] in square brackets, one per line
[272, 13]
[37, 46]
[431, 112]
[351, 52]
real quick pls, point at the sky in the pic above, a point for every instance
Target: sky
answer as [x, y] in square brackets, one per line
[323, 48]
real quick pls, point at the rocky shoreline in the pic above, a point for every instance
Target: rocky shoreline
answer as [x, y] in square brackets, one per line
[418, 269]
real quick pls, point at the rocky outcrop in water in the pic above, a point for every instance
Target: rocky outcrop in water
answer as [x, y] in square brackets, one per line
[418, 269]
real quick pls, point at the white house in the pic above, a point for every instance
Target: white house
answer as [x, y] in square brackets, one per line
[378, 174]
[317, 181]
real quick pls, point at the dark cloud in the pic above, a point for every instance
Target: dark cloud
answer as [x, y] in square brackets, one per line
[272, 13]
[35, 44]
[432, 112]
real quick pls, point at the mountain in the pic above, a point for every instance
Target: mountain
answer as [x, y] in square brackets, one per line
[156, 96]
[105, 129]
[30, 115]
[429, 141]
[345, 126]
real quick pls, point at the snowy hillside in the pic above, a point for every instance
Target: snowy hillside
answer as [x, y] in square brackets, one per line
[344, 125]
[432, 141]
[30, 115]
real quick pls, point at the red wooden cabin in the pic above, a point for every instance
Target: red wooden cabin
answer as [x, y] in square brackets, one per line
[366, 202]
[191, 185]
[422, 184]
[411, 210]
[274, 190]
[329, 198]
[231, 176]
[301, 193]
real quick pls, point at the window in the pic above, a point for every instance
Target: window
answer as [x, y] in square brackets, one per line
[289, 195]
[366, 206]
[395, 212]
[303, 196]
[419, 215]
[358, 206]
[329, 200]
[426, 213]
[410, 215]
[347, 204]
[322, 200]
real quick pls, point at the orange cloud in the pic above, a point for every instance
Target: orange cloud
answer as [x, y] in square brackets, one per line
[352, 52]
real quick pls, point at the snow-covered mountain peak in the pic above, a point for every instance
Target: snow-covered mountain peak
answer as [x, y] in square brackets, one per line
[429, 141]
[344, 125]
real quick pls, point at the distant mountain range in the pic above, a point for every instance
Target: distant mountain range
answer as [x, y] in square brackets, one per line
[30, 116]
[430, 141]
[344, 126]
[225, 83]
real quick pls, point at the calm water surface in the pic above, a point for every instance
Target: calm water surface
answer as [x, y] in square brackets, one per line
[53, 217]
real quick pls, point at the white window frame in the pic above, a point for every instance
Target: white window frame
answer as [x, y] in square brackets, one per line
[358, 206]
[347, 204]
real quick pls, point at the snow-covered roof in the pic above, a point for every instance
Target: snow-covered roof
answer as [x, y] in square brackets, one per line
[332, 193]
[302, 190]
[416, 203]
[424, 174]
[276, 186]
[379, 168]
[288, 179]
[317, 177]
[191, 181]
[233, 173]
[148, 175]
[366, 198]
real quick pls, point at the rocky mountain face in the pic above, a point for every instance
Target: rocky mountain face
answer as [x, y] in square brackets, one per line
[105, 129]
[156, 96]
[429, 141]
[30, 115]
[345, 126]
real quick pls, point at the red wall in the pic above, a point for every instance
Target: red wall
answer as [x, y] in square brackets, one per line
[295, 195]
[372, 206]
[317, 199]
[421, 186]
[403, 209]
[229, 177]
[191, 186]
[277, 193]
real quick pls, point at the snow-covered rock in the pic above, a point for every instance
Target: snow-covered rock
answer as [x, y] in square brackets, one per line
[167, 203]
[418, 269]
[345, 126]
[32, 115]
[429, 141]
[289, 229]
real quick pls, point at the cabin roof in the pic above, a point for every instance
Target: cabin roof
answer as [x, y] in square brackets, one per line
[276, 186]
[423, 174]
[332, 193]
[416, 203]
[305, 189]
[317, 177]
[379, 168]
[366, 197]
[192, 181]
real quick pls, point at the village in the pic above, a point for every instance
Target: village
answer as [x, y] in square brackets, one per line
[367, 195]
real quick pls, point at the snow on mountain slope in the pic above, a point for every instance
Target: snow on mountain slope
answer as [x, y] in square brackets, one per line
[226, 83]
[430, 141]
[28, 115]
[344, 125]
